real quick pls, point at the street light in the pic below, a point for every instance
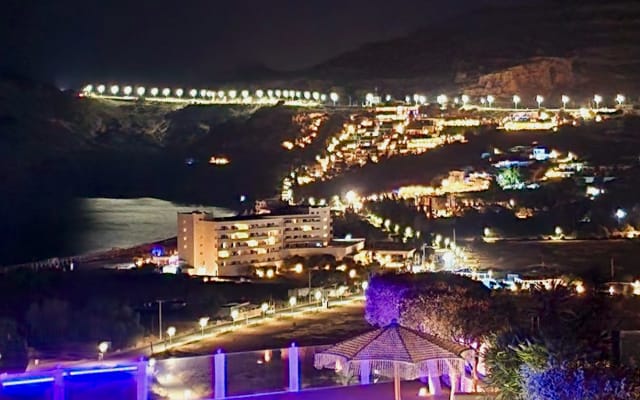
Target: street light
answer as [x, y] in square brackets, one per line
[114, 89]
[127, 90]
[292, 302]
[516, 100]
[334, 97]
[264, 308]
[465, 99]
[620, 214]
[259, 93]
[298, 268]
[203, 324]
[315, 96]
[558, 231]
[270, 93]
[140, 91]
[166, 92]
[88, 89]
[483, 100]
[179, 92]
[232, 94]
[318, 296]
[244, 94]
[102, 349]
[307, 95]
[442, 100]
[620, 99]
[101, 89]
[539, 100]
[154, 91]
[171, 332]
[490, 100]
[565, 99]
[597, 99]
[234, 316]
[352, 273]
[365, 286]
[193, 93]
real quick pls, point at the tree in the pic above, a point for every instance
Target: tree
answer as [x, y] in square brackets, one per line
[569, 381]
[13, 348]
[505, 356]
[509, 178]
[48, 322]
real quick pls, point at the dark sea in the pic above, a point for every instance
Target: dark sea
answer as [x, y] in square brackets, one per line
[79, 226]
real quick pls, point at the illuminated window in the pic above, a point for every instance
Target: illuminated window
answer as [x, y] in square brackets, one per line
[223, 254]
[242, 227]
[240, 235]
[252, 243]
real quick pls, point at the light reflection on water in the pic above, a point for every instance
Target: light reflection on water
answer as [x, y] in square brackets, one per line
[106, 223]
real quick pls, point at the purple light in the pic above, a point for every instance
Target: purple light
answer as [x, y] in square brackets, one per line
[28, 381]
[103, 371]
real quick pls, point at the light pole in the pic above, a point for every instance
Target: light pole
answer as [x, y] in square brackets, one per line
[140, 91]
[490, 100]
[154, 91]
[292, 302]
[171, 332]
[264, 308]
[318, 296]
[166, 92]
[539, 100]
[114, 89]
[309, 272]
[465, 99]
[597, 99]
[234, 316]
[565, 99]
[102, 349]
[516, 100]
[101, 89]
[620, 99]
[203, 324]
[160, 317]
[334, 97]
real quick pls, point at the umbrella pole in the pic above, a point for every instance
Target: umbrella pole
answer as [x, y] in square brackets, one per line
[396, 380]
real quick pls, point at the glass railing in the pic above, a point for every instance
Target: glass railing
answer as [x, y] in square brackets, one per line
[245, 373]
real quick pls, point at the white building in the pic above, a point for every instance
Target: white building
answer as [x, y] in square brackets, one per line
[231, 246]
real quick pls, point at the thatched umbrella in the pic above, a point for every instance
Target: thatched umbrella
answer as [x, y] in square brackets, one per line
[395, 351]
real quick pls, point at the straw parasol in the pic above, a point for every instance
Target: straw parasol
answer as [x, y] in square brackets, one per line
[395, 351]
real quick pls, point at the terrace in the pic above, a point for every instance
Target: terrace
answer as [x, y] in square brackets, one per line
[272, 374]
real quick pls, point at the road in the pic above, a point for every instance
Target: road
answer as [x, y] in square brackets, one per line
[306, 324]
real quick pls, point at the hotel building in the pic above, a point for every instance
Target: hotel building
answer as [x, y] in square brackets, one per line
[232, 246]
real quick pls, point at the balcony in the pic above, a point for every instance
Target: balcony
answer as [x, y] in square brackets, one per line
[271, 374]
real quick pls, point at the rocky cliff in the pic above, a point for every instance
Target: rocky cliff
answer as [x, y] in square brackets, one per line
[550, 45]
[548, 75]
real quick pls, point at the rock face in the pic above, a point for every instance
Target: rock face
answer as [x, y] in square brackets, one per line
[541, 75]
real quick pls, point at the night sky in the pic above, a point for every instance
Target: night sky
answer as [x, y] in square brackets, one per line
[68, 42]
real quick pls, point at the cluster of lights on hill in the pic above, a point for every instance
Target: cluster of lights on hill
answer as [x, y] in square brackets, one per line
[128, 92]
